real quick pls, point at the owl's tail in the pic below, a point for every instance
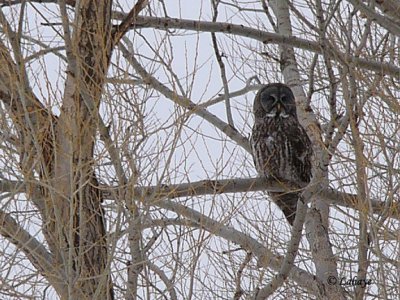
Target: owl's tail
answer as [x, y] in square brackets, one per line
[287, 202]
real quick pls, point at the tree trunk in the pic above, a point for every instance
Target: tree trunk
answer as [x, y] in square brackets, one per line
[76, 228]
[61, 150]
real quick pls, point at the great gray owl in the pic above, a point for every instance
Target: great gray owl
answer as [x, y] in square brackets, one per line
[281, 148]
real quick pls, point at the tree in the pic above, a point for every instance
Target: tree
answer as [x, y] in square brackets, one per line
[125, 164]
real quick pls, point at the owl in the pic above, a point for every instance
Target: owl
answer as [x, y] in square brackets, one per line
[281, 148]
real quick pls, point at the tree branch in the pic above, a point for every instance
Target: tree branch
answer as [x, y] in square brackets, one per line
[167, 282]
[390, 8]
[122, 28]
[238, 290]
[234, 185]
[33, 249]
[262, 36]
[5, 3]
[381, 20]
[249, 87]
[244, 185]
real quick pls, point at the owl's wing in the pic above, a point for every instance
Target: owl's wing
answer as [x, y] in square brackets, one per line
[302, 153]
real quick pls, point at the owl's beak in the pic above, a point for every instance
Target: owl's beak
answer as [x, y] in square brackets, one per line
[279, 107]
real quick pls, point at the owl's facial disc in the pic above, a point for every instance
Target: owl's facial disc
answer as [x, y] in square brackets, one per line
[275, 106]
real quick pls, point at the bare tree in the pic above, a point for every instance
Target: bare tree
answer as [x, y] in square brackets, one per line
[125, 162]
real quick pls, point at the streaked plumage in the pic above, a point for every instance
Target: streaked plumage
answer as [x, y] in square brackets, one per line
[281, 148]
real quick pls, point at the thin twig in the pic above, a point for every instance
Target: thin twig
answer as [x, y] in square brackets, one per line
[221, 67]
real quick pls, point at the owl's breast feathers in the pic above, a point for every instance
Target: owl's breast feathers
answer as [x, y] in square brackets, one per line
[282, 149]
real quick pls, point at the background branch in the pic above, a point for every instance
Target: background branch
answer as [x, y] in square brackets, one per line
[259, 35]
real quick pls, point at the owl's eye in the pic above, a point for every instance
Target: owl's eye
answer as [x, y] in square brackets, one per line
[270, 99]
[284, 98]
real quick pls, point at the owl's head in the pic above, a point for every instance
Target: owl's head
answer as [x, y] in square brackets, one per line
[275, 100]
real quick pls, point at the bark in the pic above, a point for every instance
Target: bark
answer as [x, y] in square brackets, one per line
[76, 229]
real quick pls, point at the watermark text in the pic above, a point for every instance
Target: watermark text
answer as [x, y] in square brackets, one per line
[349, 281]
